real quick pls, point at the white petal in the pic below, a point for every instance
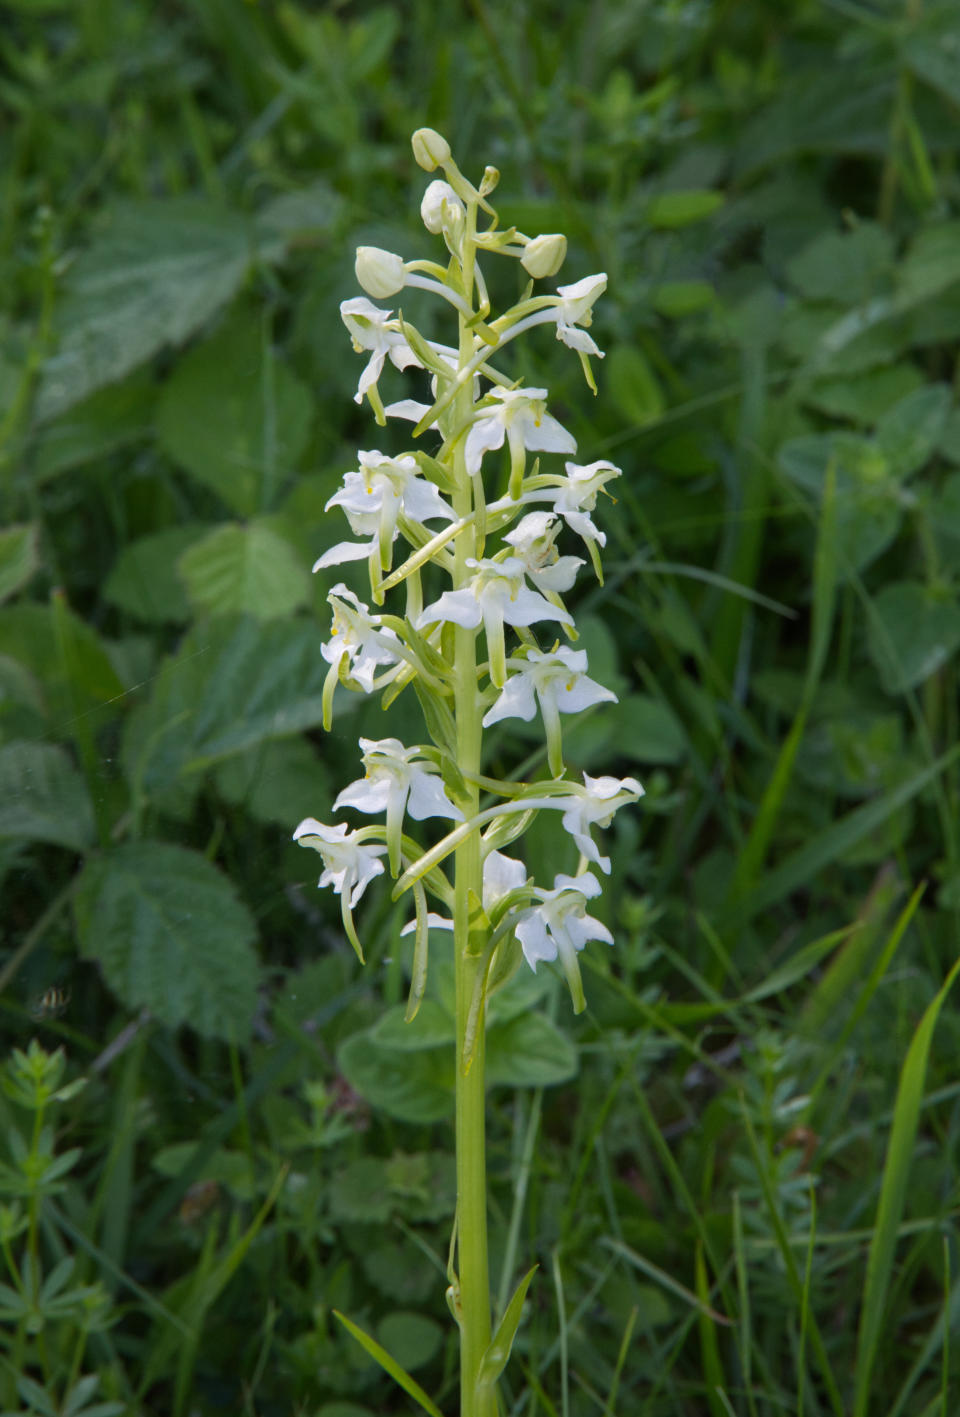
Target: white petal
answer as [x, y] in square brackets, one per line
[501, 875]
[548, 436]
[429, 799]
[422, 501]
[459, 607]
[526, 607]
[534, 940]
[434, 922]
[516, 701]
[367, 794]
[344, 551]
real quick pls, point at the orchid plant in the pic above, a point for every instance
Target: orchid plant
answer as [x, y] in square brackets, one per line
[473, 658]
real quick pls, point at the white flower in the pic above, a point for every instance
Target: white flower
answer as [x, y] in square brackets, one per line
[533, 540]
[397, 781]
[349, 866]
[560, 926]
[521, 416]
[594, 804]
[358, 637]
[381, 273]
[440, 206]
[559, 683]
[495, 596]
[501, 875]
[374, 498]
[430, 148]
[574, 308]
[576, 498]
[373, 329]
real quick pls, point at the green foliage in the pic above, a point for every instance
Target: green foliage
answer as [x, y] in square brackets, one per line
[752, 1129]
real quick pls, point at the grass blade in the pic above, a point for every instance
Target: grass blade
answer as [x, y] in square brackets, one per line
[389, 1365]
[893, 1192]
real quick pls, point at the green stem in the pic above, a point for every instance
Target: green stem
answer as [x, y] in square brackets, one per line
[472, 1262]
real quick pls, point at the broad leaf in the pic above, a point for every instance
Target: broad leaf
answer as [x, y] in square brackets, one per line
[282, 781]
[416, 1088]
[78, 676]
[910, 431]
[156, 272]
[673, 209]
[171, 935]
[244, 570]
[233, 684]
[416, 1336]
[110, 419]
[529, 1051]
[145, 581]
[912, 633]
[43, 797]
[235, 417]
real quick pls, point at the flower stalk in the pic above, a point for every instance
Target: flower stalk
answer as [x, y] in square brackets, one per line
[499, 584]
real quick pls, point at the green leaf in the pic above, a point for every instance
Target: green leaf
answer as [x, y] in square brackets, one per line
[673, 209]
[843, 266]
[867, 396]
[390, 1365]
[232, 685]
[244, 570]
[529, 1051]
[868, 507]
[171, 935]
[633, 386]
[235, 417]
[497, 1356]
[417, 1337]
[145, 581]
[155, 273]
[43, 797]
[230, 1168]
[433, 1027]
[676, 298]
[110, 419]
[913, 631]
[893, 1194]
[932, 263]
[908, 434]
[19, 557]
[421, 1090]
[88, 684]
[280, 782]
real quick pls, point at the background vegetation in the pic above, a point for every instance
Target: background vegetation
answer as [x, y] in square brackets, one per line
[738, 1170]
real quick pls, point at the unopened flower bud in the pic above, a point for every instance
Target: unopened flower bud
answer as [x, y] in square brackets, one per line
[430, 149]
[491, 176]
[440, 203]
[380, 272]
[544, 255]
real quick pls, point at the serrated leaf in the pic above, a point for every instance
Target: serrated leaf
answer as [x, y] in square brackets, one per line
[235, 417]
[110, 419]
[232, 685]
[89, 682]
[19, 557]
[529, 1051]
[43, 797]
[171, 935]
[155, 273]
[912, 633]
[247, 570]
[144, 580]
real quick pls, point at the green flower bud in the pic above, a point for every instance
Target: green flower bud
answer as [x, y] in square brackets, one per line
[544, 255]
[380, 272]
[430, 149]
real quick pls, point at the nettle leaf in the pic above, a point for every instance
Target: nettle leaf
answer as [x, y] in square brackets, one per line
[171, 935]
[110, 419]
[912, 633]
[235, 417]
[19, 557]
[81, 680]
[910, 431]
[529, 1051]
[232, 685]
[145, 581]
[156, 273]
[244, 570]
[43, 797]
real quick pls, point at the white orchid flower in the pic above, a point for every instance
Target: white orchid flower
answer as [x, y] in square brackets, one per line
[501, 875]
[495, 595]
[520, 416]
[441, 207]
[560, 927]
[534, 542]
[372, 329]
[397, 781]
[559, 683]
[594, 804]
[373, 500]
[359, 638]
[349, 865]
[575, 308]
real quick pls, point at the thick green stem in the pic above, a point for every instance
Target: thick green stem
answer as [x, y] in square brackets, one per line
[472, 1262]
